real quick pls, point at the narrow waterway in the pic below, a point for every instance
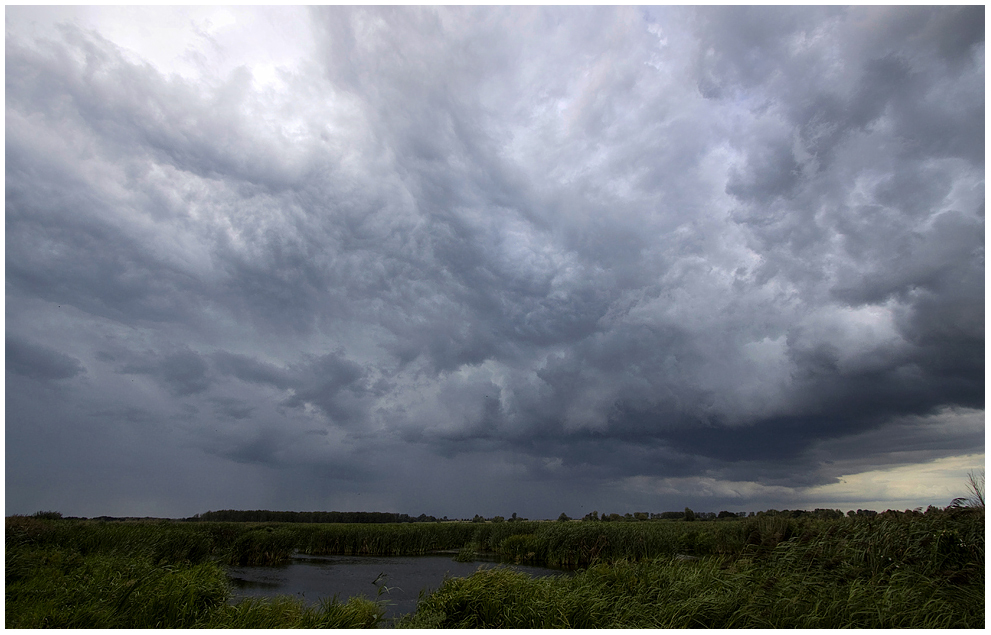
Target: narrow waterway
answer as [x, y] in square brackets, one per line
[395, 579]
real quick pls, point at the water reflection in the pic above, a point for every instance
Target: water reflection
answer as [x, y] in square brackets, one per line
[396, 579]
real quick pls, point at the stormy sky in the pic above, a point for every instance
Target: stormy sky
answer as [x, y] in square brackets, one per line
[493, 260]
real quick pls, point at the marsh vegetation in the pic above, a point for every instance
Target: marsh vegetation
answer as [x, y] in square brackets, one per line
[890, 570]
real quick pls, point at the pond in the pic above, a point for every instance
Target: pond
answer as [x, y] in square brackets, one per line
[313, 578]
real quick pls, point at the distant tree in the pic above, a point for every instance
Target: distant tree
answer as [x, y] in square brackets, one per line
[262, 515]
[862, 513]
[498, 519]
[48, 515]
[477, 519]
[563, 517]
[827, 513]
[689, 514]
[726, 514]
[513, 519]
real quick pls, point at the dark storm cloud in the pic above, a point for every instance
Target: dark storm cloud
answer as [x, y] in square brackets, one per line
[518, 245]
[183, 372]
[40, 362]
[334, 384]
[232, 408]
[251, 370]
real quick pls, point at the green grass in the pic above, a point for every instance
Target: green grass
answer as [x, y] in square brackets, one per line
[66, 574]
[924, 572]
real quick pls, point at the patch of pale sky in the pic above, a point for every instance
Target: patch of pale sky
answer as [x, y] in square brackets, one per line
[901, 487]
[197, 43]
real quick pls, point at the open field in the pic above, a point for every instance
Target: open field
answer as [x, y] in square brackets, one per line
[894, 570]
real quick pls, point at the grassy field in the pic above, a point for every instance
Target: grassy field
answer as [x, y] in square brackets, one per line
[895, 570]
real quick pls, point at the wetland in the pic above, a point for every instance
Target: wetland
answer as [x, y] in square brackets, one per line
[396, 582]
[773, 570]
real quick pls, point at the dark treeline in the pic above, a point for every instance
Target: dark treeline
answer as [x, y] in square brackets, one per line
[688, 514]
[266, 516]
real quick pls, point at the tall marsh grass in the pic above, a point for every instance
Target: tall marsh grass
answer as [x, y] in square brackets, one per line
[70, 574]
[897, 572]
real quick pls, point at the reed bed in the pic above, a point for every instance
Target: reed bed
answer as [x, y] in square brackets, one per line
[408, 539]
[70, 574]
[569, 544]
[918, 572]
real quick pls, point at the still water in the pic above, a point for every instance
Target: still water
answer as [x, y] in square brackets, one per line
[312, 578]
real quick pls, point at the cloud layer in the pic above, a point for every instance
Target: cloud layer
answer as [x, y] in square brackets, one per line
[472, 260]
